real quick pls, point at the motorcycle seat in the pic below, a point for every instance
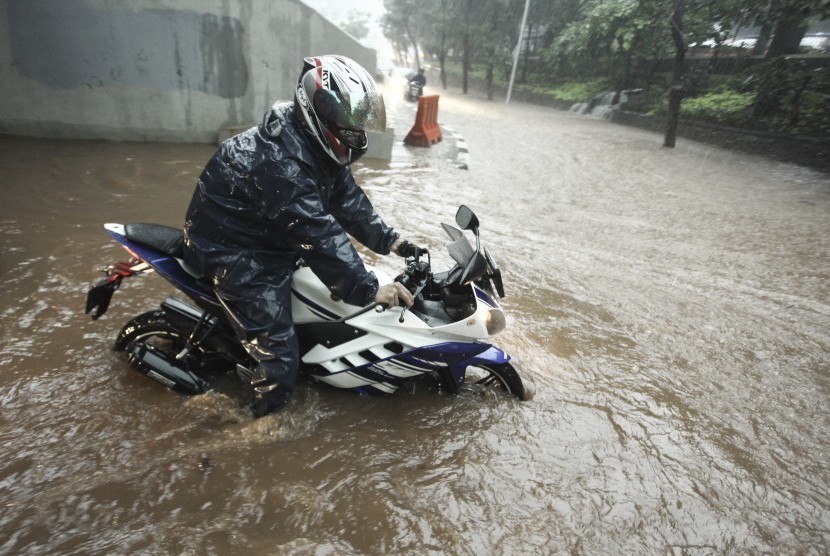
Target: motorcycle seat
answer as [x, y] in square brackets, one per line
[166, 239]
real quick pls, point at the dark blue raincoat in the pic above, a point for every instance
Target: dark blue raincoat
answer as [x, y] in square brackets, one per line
[265, 199]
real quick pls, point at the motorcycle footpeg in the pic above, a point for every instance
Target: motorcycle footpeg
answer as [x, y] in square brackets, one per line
[245, 374]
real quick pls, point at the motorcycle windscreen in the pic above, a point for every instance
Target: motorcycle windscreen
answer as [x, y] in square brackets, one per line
[461, 251]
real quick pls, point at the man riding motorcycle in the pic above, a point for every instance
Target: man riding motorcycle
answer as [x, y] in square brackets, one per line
[282, 191]
[419, 78]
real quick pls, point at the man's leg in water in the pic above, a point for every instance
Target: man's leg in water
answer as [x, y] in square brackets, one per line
[258, 304]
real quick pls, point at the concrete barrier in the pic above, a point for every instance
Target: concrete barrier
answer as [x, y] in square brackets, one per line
[426, 130]
[380, 144]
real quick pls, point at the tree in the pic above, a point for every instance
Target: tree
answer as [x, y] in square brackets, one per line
[541, 15]
[694, 22]
[440, 25]
[676, 90]
[495, 32]
[604, 35]
[402, 24]
[606, 43]
[467, 43]
[792, 17]
[357, 24]
[763, 17]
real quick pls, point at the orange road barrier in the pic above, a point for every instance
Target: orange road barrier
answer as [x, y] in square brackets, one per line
[426, 131]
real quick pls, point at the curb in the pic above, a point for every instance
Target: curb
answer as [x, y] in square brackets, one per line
[462, 157]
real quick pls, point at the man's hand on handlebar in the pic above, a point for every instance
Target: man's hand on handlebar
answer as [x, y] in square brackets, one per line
[394, 294]
[405, 249]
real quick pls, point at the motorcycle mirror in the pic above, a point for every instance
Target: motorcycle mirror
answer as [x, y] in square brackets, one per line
[466, 218]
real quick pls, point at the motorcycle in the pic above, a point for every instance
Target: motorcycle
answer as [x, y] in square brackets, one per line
[444, 337]
[412, 91]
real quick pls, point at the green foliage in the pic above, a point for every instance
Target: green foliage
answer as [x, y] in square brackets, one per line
[579, 48]
[790, 96]
[580, 91]
[727, 107]
[605, 33]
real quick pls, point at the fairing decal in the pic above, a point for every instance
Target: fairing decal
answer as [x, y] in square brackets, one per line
[486, 299]
[393, 371]
[314, 308]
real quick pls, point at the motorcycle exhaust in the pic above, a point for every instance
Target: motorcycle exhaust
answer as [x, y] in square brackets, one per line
[162, 368]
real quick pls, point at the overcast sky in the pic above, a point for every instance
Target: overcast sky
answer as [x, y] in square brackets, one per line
[337, 11]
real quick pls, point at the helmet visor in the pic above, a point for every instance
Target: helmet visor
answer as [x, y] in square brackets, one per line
[351, 111]
[353, 138]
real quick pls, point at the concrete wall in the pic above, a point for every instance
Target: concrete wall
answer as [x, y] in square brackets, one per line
[161, 70]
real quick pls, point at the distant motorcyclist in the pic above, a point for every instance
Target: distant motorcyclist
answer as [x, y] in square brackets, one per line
[419, 78]
[282, 191]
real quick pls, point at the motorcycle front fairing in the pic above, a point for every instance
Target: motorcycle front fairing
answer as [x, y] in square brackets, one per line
[378, 350]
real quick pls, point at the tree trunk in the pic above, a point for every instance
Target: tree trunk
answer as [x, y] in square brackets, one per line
[795, 110]
[414, 42]
[762, 42]
[527, 53]
[442, 57]
[676, 92]
[465, 45]
[622, 82]
[675, 97]
[787, 38]
[465, 63]
[491, 56]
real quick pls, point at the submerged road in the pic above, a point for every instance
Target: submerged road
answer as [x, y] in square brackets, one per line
[670, 308]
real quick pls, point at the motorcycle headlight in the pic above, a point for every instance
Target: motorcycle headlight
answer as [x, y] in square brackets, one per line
[495, 321]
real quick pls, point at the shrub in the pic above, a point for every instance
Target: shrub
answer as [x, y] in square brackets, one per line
[726, 107]
[580, 91]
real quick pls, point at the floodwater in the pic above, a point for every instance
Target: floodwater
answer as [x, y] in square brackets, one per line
[670, 307]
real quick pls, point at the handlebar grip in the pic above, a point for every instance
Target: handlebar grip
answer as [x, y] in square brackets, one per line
[409, 249]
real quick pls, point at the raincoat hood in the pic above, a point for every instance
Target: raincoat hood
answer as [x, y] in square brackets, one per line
[279, 124]
[276, 118]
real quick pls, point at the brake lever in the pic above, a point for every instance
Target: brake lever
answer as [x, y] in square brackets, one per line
[415, 295]
[424, 278]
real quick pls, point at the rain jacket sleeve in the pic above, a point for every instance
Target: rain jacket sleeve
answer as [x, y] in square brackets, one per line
[354, 211]
[321, 241]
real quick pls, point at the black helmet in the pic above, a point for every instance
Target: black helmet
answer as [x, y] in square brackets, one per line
[336, 102]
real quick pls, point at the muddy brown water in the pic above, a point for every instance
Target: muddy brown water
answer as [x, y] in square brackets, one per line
[670, 308]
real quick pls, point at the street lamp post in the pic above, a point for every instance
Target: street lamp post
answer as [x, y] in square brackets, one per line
[516, 52]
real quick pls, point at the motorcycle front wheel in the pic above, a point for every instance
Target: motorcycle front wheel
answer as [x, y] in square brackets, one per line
[501, 378]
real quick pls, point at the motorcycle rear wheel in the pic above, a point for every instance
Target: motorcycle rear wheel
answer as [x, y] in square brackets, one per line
[501, 378]
[153, 346]
[152, 327]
